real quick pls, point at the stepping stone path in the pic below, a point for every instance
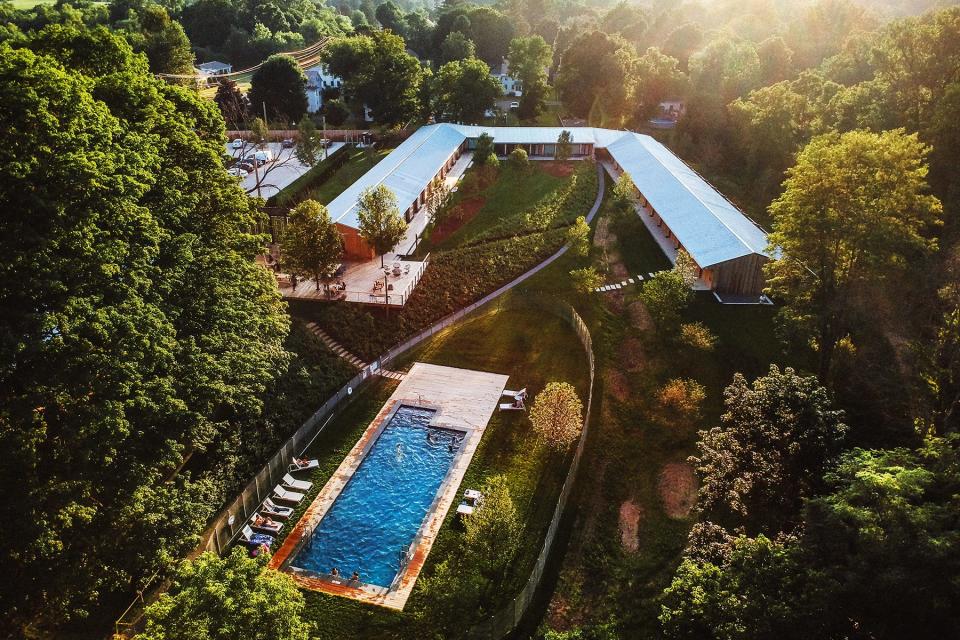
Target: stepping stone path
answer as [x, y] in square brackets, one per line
[338, 349]
[621, 285]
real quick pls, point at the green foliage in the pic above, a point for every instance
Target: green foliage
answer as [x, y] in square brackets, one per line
[586, 279]
[484, 150]
[311, 244]
[596, 74]
[281, 85]
[164, 42]
[658, 77]
[456, 46]
[143, 329]
[378, 73]
[528, 60]
[380, 222]
[624, 190]
[306, 186]
[578, 237]
[336, 112]
[564, 146]
[230, 597]
[232, 103]
[310, 148]
[557, 415]
[518, 160]
[665, 296]
[776, 439]
[464, 89]
[259, 131]
[853, 212]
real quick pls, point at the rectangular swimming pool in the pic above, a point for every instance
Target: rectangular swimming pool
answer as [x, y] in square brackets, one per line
[370, 525]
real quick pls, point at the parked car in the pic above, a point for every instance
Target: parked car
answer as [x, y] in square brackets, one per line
[255, 159]
[263, 156]
[237, 172]
[324, 143]
[514, 105]
[246, 166]
[287, 143]
[237, 143]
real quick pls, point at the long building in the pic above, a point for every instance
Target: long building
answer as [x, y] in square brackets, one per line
[726, 245]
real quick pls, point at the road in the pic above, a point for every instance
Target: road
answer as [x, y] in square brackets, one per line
[279, 174]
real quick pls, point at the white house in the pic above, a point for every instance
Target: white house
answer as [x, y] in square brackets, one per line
[318, 79]
[214, 68]
[511, 86]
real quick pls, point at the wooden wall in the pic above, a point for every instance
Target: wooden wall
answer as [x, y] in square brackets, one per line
[742, 276]
[353, 245]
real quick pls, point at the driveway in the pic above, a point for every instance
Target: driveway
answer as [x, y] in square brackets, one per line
[276, 175]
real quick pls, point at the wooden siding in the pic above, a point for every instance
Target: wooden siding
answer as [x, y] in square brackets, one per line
[354, 246]
[742, 276]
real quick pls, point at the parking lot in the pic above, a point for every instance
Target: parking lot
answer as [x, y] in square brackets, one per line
[275, 175]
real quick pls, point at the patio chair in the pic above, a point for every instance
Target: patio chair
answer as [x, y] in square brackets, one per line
[514, 394]
[266, 524]
[298, 485]
[252, 539]
[306, 466]
[274, 510]
[510, 406]
[280, 493]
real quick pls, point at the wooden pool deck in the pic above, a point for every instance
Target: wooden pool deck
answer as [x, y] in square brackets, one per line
[464, 400]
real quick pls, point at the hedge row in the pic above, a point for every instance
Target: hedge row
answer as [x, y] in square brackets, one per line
[315, 177]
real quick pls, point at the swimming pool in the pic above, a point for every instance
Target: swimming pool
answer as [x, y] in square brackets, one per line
[371, 524]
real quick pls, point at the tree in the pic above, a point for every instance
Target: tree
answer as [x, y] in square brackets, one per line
[578, 237]
[597, 73]
[528, 61]
[336, 112]
[464, 90]
[164, 42]
[310, 147]
[665, 296]
[624, 190]
[682, 397]
[687, 268]
[311, 244]
[437, 199]
[144, 329]
[456, 46]
[281, 85]
[518, 160]
[484, 150]
[491, 31]
[233, 104]
[557, 415]
[658, 77]
[391, 17]
[585, 280]
[853, 212]
[492, 532]
[564, 146]
[380, 222]
[259, 132]
[776, 439]
[231, 597]
[379, 74]
[208, 22]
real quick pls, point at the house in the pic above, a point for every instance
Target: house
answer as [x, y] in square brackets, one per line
[214, 68]
[511, 86]
[319, 78]
[727, 247]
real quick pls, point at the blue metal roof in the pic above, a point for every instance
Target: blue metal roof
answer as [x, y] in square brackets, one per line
[710, 228]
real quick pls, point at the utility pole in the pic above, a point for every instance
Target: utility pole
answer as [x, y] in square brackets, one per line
[323, 119]
[256, 162]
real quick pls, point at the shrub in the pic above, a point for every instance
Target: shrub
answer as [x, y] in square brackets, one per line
[518, 160]
[586, 279]
[557, 415]
[698, 336]
[665, 295]
[683, 397]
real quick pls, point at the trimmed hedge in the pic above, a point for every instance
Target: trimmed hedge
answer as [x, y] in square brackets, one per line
[316, 176]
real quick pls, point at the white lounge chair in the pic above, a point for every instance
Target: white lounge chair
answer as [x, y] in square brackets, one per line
[509, 406]
[273, 527]
[252, 539]
[311, 464]
[287, 496]
[514, 394]
[292, 483]
[274, 510]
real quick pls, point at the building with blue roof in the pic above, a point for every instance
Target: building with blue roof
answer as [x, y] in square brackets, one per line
[726, 245]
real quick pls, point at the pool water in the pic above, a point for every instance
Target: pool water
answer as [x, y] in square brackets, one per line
[379, 511]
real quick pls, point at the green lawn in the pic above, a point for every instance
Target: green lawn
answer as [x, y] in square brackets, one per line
[361, 161]
[29, 4]
[640, 252]
[533, 347]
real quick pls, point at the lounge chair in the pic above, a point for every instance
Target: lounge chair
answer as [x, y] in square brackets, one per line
[515, 394]
[273, 527]
[287, 496]
[311, 464]
[252, 539]
[274, 510]
[509, 406]
[292, 483]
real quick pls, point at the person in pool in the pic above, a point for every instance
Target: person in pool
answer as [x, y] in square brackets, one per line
[335, 572]
[355, 577]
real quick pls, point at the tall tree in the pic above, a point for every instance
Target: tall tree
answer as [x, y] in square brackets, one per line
[281, 85]
[596, 73]
[232, 103]
[464, 90]
[381, 224]
[456, 46]
[231, 597]
[658, 77]
[391, 17]
[776, 439]
[136, 326]
[164, 42]
[557, 415]
[564, 146]
[310, 144]
[311, 244]
[853, 212]
[528, 61]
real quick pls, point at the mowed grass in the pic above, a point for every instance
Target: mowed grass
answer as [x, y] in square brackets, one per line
[533, 347]
[510, 195]
[361, 161]
[29, 4]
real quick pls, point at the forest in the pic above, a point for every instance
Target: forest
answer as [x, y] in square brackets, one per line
[148, 367]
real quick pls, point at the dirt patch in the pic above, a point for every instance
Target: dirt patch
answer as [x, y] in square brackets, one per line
[617, 384]
[469, 209]
[632, 355]
[640, 317]
[630, 526]
[557, 169]
[603, 237]
[678, 489]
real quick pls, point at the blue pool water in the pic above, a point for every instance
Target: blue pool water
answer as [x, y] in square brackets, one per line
[380, 510]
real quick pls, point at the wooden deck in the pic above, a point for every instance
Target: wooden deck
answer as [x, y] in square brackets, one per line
[359, 278]
[464, 400]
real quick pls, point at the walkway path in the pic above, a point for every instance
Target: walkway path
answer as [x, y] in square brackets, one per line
[341, 352]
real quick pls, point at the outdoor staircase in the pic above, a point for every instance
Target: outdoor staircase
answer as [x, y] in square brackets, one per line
[341, 352]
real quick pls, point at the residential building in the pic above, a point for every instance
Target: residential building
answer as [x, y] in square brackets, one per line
[511, 86]
[319, 78]
[214, 68]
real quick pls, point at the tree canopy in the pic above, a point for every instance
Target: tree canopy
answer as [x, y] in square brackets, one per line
[281, 85]
[381, 224]
[464, 90]
[312, 246]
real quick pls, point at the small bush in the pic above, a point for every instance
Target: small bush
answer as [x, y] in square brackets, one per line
[682, 397]
[586, 280]
[698, 336]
